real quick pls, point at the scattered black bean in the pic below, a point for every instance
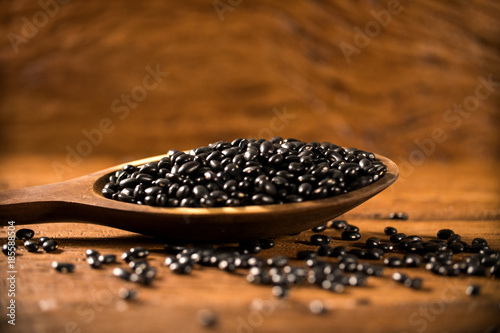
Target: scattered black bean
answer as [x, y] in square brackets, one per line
[317, 307]
[127, 294]
[390, 231]
[50, 245]
[280, 291]
[25, 234]
[319, 228]
[206, 317]
[339, 224]
[9, 249]
[107, 258]
[93, 262]
[412, 260]
[320, 239]
[396, 238]
[91, 253]
[473, 290]
[350, 235]
[445, 233]
[372, 242]
[266, 243]
[63, 267]
[31, 246]
[398, 216]
[393, 262]
[42, 240]
[386, 247]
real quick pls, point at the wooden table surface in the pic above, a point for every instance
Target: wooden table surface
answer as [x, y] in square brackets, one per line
[463, 197]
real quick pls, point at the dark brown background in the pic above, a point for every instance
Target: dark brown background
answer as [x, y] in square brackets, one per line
[229, 78]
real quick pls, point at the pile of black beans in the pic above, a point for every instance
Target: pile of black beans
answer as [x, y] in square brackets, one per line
[246, 172]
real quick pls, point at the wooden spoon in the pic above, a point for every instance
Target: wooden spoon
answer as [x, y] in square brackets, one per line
[80, 200]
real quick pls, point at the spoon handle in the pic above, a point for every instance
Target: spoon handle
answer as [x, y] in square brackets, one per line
[38, 204]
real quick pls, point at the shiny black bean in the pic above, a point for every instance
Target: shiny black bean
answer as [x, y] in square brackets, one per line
[445, 233]
[372, 242]
[412, 260]
[393, 262]
[338, 224]
[390, 231]
[9, 250]
[266, 243]
[386, 247]
[107, 258]
[50, 245]
[320, 239]
[25, 234]
[319, 228]
[350, 235]
[31, 245]
[93, 262]
[396, 238]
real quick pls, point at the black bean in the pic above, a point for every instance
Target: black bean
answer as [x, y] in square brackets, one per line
[127, 294]
[188, 168]
[107, 258]
[25, 234]
[375, 254]
[50, 245]
[393, 262]
[339, 224]
[351, 227]
[63, 267]
[320, 239]
[42, 240]
[400, 277]
[445, 233]
[179, 268]
[479, 241]
[319, 228]
[251, 247]
[339, 251]
[390, 231]
[412, 260]
[279, 261]
[93, 262]
[325, 251]
[9, 250]
[398, 216]
[305, 254]
[473, 290]
[206, 317]
[91, 253]
[350, 235]
[454, 238]
[396, 238]
[266, 243]
[31, 245]
[372, 242]
[386, 247]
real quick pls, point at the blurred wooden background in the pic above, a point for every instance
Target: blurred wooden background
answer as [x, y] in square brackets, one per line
[63, 65]
[77, 95]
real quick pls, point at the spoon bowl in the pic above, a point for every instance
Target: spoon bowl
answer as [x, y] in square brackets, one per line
[81, 200]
